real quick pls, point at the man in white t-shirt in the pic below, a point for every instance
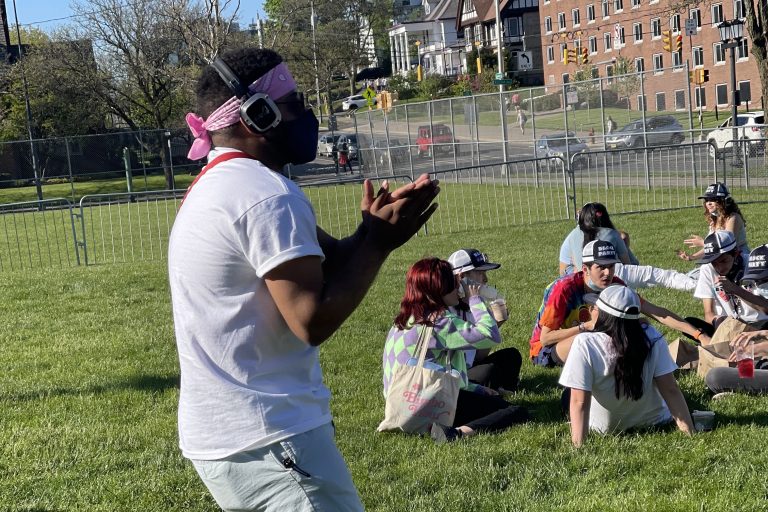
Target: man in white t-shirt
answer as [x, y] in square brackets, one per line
[256, 286]
[722, 268]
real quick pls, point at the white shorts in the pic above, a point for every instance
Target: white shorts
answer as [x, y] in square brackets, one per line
[305, 472]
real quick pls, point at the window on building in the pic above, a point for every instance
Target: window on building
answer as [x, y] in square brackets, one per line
[721, 94]
[719, 53]
[635, 4]
[607, 41]
[637, 30]
[677, 59]
[595, 73]
[738, 9]
[609, 70]
[561, 21]
[698, 57]
[695, 14]
[548, 24]
[641, 102]
[563, 49]
[679, 99]
[618, 5]
[512, 27]
[593, 44]
[639, 64]
[700, 95]
[550, 54]
[577, 46]
[606, 10]
[717, 14]
[622, 39]
[745, 91]
[661, 102]
[674, 23]
[658, 63]
[468, 35]
[566, 78]
[478, 33]
[576, 17]
[656, 28]
[469, 8]
[742, 51]
[590, 12]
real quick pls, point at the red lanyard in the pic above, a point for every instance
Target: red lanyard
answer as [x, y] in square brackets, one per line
[213, 163]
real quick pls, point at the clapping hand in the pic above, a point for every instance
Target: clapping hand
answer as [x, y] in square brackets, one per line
[392, 218]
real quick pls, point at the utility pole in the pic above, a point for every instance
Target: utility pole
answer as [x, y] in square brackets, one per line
[500, 53]
[38, 187]
[314, 58]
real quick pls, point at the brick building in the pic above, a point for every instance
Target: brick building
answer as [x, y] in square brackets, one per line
[633, 30]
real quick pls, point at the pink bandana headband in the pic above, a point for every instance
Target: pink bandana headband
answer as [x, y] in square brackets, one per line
[276, 83]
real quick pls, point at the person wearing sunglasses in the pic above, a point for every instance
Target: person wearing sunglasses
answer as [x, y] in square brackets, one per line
[257, 286]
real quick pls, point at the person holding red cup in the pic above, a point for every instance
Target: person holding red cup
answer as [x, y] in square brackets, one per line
[749, 350]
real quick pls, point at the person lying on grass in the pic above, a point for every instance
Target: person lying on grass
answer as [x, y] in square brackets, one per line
[620, 375]
[431, 288]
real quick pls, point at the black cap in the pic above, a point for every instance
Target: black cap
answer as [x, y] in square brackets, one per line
[716, 244]
[716, 191]
[600, 252]
[757, 267]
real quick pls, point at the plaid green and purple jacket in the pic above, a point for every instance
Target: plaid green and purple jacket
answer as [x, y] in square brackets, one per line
[450, 333]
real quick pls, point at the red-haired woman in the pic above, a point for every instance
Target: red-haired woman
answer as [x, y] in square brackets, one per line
[430, 289]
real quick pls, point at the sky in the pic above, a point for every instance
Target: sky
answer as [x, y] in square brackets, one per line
[47, 14]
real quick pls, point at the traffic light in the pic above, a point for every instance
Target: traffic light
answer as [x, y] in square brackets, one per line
[584, 56]
[693, 77]
[679, 43]
[698, 76]
[573, 57]
[666, 37]
[565, 56]
[703, 76]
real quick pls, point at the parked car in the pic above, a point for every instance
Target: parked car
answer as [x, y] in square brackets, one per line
[355, 102]
[326, 144]
[562, 145]
[750, 128]
[436, 138]
[397, 153]
[659, 130]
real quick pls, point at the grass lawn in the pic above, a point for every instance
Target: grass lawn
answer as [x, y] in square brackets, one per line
[89, 391]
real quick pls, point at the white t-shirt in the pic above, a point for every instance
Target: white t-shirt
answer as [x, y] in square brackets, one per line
[246, 380]
[725, 303]
[589, 367]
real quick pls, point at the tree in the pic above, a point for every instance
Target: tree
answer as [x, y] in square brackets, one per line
[627, 81]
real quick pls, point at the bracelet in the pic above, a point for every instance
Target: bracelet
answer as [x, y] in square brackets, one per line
[698, 334]
[581, 327]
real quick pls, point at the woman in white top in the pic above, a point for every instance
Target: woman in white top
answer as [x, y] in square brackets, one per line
[620, 375]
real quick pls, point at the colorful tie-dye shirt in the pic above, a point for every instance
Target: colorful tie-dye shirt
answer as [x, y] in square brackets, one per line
[450, 333]
[563, 306]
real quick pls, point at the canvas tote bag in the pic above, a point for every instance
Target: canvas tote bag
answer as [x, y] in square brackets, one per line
[418, 396]
[715, 354]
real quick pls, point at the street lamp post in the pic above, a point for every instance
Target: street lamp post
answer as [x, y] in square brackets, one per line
[499, 53]
[731, 34]
[314, 58]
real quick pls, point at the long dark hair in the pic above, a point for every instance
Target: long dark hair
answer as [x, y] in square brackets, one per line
[632, 347]
[726, 207]
[426, 283]
[592, 217]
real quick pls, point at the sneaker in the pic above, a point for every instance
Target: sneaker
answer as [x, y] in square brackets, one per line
[720, 396]
[444, 434]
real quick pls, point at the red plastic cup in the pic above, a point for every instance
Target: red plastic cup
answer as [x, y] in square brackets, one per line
[746, 368]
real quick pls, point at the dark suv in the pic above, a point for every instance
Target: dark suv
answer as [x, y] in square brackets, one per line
[659, 130]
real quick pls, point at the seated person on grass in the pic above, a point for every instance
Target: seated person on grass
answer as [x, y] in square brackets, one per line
[564, 314]
[753, 344]
[722, 268]
[500, 369]
[620, 376]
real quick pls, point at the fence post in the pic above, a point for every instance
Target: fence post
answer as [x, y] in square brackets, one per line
[453, 131]
[69, 167]
[432, 147]
[504, 153]
[536, 167]
[408, 131]
[565, 122]
[646, 163]
[476, 124]
[389, 144]
[128, 170]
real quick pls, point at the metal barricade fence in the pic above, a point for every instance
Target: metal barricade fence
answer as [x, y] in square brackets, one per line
[502, 195]
[644, 179]
[37, 234]
[743, 164]
[127, 227]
